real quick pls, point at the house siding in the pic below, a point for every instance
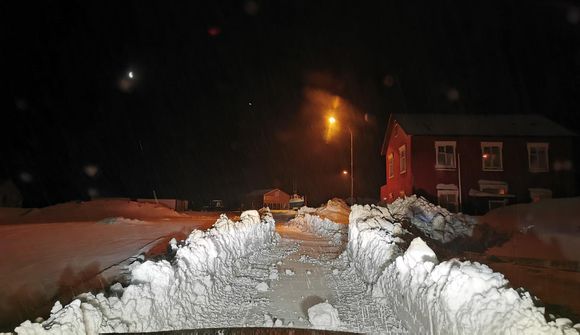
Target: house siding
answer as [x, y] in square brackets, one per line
[515, 167]
[400, 182]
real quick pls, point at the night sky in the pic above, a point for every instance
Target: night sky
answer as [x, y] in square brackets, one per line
[230, 96]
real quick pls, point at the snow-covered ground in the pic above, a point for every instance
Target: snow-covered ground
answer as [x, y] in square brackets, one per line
[451, 297]
[548, 229]
[306, 273]
[47, 255]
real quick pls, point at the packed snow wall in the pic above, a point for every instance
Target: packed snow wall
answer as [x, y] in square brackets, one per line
[451, 297]
[319, 226]
[165, 295]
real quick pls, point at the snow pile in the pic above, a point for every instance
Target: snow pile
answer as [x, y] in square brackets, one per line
[335, 209]
[164, 295]
[434, 221]
[323, 315]
[451, 297]
[119, 220]
[319, 226]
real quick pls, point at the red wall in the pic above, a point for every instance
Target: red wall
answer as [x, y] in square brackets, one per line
[400, 182]
[515, 166]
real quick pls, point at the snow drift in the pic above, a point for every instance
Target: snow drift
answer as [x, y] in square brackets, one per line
[452, 297]
[319, 226]
[165, 295]
[434, 221]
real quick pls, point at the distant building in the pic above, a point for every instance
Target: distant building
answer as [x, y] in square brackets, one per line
[474, 163]
[175, 204]
[10, 195]
[273, 198]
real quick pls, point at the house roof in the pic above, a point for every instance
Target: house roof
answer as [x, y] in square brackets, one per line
[480, 125]
[476, 125]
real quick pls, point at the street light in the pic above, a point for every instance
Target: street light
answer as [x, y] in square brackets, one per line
[332, 120]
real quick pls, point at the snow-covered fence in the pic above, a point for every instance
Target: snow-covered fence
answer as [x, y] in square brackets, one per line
[165, 295]
[452, 297]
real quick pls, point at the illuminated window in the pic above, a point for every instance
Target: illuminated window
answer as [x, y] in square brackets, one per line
[391, 166]
[445, 154]
[538, 157]
[402, 159]
[491, 156]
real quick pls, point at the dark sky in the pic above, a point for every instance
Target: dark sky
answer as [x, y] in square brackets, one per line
[229, 96]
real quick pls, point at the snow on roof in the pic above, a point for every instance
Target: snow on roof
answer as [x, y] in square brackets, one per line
[480, 124]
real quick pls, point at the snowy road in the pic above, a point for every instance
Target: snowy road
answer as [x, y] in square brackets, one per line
[301, 270]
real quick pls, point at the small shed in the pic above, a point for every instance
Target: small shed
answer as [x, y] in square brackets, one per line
[273, 198]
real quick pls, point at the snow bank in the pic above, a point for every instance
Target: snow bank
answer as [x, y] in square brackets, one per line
[319, 226]
[166, 295]
[323, 315]
[434, 221]
[335, 210]
[451, 297]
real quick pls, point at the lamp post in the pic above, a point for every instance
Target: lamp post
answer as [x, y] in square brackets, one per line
[332, 121]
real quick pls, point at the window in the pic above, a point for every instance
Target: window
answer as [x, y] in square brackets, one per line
[391, 166]
[402, 159]
[448, 199]
[491, 156]
[445, 154]
[538, 157]
[493, 187]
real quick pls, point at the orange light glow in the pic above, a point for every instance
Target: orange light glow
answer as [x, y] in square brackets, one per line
[485, 156]
[344, 172]
[331, 120]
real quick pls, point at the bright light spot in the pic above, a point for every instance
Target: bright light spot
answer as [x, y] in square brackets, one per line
[331, 120]
[25, 177]
[453, 94]
[344, 172]
[131, 74]
[485, 156]
[249, 103]
[91, 170]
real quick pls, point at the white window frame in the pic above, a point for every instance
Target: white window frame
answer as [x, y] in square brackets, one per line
[542, 145]
[402, 159]
[490, 145]
[438, 144]
[449, 192]
[391, 165]
[492, 184]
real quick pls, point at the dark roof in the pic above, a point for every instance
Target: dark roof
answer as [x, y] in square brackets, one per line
[480, 125]
[475, 125]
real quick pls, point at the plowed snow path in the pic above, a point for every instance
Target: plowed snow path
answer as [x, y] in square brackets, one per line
[301, 271]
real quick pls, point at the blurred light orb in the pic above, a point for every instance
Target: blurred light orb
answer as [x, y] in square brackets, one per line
[344, 172]
[131, 74]
[93, 192]
[214, 31]
[331, 120]
[21, 104]
[251, 7]
[452, 94]
[91, 170]
[25, 177]
[573, 15]
[389, 80]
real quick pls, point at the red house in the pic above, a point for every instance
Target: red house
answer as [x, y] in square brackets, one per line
[473, 163]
